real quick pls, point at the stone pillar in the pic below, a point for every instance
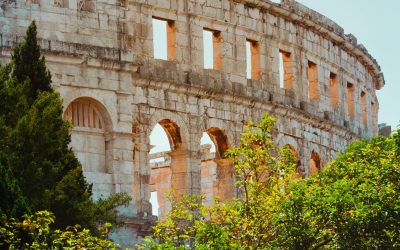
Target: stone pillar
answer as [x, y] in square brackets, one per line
[185, 172]
[224, 184]
[179, 172]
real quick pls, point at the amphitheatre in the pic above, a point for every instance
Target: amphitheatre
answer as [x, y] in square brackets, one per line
[304, 70]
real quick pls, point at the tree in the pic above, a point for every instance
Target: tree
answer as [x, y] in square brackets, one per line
[35, 232]
[263, 172]
[353, 204]
[38, 169]
[29, 65]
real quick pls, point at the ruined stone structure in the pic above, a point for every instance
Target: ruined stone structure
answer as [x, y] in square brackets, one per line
[304, 70]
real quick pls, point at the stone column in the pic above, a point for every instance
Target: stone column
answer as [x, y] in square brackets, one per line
[185, 171]
[224, 184]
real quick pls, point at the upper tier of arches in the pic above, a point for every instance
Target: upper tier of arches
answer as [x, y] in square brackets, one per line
[326, 73]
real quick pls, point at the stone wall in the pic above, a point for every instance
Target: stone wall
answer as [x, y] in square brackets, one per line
[101, 52]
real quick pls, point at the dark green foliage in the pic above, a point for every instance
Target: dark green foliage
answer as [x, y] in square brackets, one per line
[30, 66]
[35, 232]
[353, 204]
[12, 200]
[38, 169]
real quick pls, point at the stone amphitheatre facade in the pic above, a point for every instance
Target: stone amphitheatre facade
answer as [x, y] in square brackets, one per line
[305, 71]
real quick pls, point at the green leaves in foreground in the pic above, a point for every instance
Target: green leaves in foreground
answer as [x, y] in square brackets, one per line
[352, 204]
[35, 232]
[263, 175]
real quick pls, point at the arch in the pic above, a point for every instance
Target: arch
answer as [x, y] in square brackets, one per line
[314, 164]
[174, 171]
[174, 125]
[294, 154]
[217, 174]
[83, 113]
[173, 132]
[90, 102]
[220, 141]
[283, 140]
[91, 124]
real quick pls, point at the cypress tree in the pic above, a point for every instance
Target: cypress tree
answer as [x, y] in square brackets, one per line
[39, 170]
[29, 65]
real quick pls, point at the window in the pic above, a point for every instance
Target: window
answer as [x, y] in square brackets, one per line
[88, 134]
[252, 60]
[314, 164]
[373, 115]
[364, 108]
[350, 99]
[334, 88]
[57, 3]
[312, 77]
[84, 114]
[285, 70]
[212, 49]
[164, 39]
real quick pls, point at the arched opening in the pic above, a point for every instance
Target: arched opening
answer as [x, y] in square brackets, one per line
[91, 125]
[296, 159]
[314, 165]
[216, 171]
[295, 155]
[168, 165]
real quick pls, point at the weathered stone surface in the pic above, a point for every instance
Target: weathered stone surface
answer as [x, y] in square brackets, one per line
[101, 53]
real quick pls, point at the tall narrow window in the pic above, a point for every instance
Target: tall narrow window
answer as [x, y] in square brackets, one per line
[252, 60]
[164, 39]
[212, 48]
[312, 77]
[364, 108]
[373, 116]
[350, 99]
[334, 88]
[285, 70]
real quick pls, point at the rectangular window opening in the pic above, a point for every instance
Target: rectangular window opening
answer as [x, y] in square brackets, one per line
[312, 78]
[164, 39]
[373, 116]
[154, 203]
[212, 49]
[56, 3]
[285, 70]
[334, 88]
[350, 99]
[364, 108]
[252, 60]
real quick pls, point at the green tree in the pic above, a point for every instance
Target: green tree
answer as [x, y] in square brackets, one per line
[38, 169]
[29, 65]
[35, 232]
[263, 172]
[353, 204]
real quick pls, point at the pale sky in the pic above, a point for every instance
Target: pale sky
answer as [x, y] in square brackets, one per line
[375, 24]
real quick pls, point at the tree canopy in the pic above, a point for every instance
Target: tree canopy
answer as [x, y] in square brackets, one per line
[352, 204]
[263, 174]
